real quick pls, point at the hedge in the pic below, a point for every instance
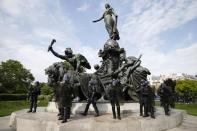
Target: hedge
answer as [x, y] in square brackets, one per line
[12, 97]
[45, 97]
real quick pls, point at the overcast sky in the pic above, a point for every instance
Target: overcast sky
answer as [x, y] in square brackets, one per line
[164, 31]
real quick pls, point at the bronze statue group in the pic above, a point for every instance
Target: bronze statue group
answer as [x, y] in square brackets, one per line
[117, 78]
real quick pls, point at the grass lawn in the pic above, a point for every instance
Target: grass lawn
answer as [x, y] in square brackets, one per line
[7, 107]
[191, 109]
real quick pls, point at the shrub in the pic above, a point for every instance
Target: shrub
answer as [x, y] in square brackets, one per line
[45, 89]
[12, 97]
[45, 97]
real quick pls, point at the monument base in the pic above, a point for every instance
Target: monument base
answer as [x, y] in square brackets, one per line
[104, 107]
[47, 121]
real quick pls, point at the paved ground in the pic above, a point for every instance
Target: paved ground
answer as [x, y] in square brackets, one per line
[4, 124]
[189, 124]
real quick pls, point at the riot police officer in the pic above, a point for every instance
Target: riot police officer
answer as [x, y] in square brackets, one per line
[66, 96]
[139, 91]
[33, 93]
[146, 99]
[92, 95]
[165, 94]
[114, 94]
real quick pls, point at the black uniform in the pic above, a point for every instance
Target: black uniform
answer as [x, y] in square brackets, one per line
[165, 94]
[92, 96]
[114, 94]
[146, 99]
[66, 97]
[33, 93]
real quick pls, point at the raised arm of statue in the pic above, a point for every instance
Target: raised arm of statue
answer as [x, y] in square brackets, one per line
[98, 19]
[58, 55]
[55, 53]
[133, 68]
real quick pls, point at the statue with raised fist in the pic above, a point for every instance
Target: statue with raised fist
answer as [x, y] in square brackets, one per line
[118, 76]
[76, 60]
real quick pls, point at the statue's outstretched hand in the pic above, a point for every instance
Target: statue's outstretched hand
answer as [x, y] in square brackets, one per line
[53, 41]
[94, 21]
[50, 46]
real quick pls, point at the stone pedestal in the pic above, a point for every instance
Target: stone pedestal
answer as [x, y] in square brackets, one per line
[103, 107]
[47, 121]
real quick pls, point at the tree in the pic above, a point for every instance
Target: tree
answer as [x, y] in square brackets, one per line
[182, 85]
[14, 78]
[45, 89]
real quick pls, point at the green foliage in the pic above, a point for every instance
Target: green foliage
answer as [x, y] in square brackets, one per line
[45, 89]
[45, 97]
[182, 85]
[14, 78]
[12, 97]
[7, 107]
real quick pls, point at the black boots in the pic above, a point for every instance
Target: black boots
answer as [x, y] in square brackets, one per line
[118, 111]
[141, 110]
[35, 107]
[152, 112]
[61, 113]
[146, 111]
[68, 112]
[86, 110]
[96, 111]
[84, 114]
[30, 110]
[32, 106]
[65, 115]
[59, 109]
[114, 112]
[166, 109]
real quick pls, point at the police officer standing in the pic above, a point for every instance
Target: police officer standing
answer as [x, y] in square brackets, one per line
[33, 93]
[165, 94]
[146, 99]
[66, 96]
[114, 94]
[139, 91]
[92, 95]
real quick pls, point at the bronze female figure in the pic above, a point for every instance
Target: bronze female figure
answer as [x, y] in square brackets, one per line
[110, 23]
